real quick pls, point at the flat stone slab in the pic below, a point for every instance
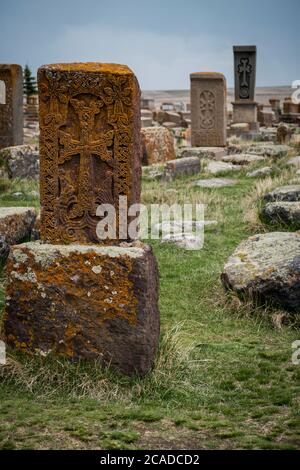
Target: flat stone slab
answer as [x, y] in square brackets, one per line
[260, 172]
[21, 161]
[287, 213]
[89, 301]
[215, 153]
[181, 167]
[294, 161]
[242, 159]
[266, 268]
[269, 150]
[16, 223]
[264, 150]
[220, 167]
[215, 182]
[284, 193]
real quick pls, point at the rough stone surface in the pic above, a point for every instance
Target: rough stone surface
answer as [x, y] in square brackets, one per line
[182, 166]
[294, 161]
[266, 268]
[21, 161]
[242, 159]
[284, 193]
[260, 172]
[215, 153]
[220, 167]
[282, 212]
[208, 109]
[269, 150]
[215, 182]
[16, 223]
[85, 301]
[89, 146]
[11, 112]
[157, 145]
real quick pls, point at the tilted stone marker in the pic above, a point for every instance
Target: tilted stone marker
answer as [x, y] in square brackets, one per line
[208, 115]
[11, 105]
[244, 105]
[87, 298]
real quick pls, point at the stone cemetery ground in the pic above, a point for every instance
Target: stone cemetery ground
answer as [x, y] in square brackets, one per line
[224, 376]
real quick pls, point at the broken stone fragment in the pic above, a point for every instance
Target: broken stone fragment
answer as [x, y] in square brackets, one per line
[16, 223]
[85, 301]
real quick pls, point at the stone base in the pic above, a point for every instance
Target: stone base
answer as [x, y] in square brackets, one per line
[246, 113]
[87, 301]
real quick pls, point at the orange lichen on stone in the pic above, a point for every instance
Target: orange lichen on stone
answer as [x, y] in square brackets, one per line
[83, 301]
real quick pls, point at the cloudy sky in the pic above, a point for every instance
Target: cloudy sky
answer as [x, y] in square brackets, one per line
[161, 40]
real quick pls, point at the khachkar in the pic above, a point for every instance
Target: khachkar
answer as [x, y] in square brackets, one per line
[11, 105]
[208, 109]
[245, 106]
[70, 293]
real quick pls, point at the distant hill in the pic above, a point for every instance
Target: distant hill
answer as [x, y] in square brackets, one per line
[263, 94]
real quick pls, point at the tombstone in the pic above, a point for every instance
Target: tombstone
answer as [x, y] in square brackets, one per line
[208, 113]
[11, 105]
[89, 298]
[244, 105]
[89, 147]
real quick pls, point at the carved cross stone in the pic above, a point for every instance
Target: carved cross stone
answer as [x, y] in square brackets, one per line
[89, 147]
[244, 68]
[86, 147]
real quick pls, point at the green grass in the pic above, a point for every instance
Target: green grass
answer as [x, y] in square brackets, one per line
[223, 376]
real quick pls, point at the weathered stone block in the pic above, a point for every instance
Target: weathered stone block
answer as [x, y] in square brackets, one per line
[90, 301]
[16, 223]
[89, 146]
[157, 145]
[21, 161]
[11, 105]
[182, 166]
[266, 268]
[208, 115]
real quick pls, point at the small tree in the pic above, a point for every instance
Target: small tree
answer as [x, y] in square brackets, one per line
[29, 83]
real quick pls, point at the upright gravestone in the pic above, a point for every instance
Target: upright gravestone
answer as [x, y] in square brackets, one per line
[11, 105]
[208, 109]
[87, 298]
[245, 106]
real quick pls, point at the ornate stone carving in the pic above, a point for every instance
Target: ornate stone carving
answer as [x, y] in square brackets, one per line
[11, 110]
[89, 139]
[208, 109]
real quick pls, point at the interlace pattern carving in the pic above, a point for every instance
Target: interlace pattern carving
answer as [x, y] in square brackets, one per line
[86, 140]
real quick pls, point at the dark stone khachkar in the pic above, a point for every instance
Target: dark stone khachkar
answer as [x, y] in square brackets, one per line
[11, 105]
[208, 109]
[71, 294]
[89, 146]
[244, 106]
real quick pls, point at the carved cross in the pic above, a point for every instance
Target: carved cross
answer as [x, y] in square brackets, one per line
[243, 68]
[86, 147]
